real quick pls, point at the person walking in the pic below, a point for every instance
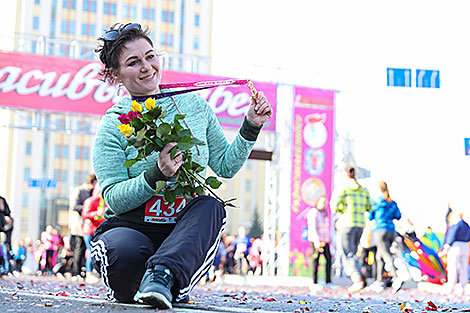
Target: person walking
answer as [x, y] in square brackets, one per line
[319, 233]
[159, 261]
[384, 213]
[456, 247]
[352, 202]
[77, 197]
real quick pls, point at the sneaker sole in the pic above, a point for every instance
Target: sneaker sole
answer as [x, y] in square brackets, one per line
[155, 299]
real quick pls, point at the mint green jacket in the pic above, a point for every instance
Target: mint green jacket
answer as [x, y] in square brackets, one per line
[125, 189]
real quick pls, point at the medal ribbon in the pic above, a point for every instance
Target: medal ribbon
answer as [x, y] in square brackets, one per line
[195, 86]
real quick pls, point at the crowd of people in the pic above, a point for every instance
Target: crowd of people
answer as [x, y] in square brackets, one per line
[54, 254]
[369, 245]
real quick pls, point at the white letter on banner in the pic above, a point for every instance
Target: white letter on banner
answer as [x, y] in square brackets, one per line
[59, 88]
[9, 83]
[86, 75]
[46, 89]
[22, 85]
[214, 98]
[104, 92]
[239, 104]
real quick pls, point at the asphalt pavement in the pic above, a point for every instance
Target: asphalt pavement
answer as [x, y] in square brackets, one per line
[231, 293]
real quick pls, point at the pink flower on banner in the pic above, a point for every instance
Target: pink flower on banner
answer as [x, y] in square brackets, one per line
[124, 118]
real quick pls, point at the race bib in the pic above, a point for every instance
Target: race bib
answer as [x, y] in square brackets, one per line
[157, 210]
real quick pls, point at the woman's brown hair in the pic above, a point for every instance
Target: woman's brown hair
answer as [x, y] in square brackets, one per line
[383, 187]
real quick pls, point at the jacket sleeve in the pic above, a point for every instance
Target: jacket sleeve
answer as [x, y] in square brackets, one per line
[121, 192]
[340, 205]
[225, 158]
[90, 207]
[397, 215]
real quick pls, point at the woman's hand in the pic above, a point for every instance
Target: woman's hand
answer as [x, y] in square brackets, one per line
[259, 111]
[167, 166]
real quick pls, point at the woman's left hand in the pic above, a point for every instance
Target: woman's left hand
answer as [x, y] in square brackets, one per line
[259, 111]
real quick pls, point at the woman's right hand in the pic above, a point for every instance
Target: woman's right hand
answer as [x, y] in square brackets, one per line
[167, 166]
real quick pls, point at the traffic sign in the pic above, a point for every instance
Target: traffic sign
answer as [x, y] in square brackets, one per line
[427, 79]
[398, 77]
[42, 183]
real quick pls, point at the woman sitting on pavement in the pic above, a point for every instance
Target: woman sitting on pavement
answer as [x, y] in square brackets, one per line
[144, 260]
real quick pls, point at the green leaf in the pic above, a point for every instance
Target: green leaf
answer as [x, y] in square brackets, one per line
[130, 162]
[184, 132]
[137, 123]
[198, 142]
[160, 185]
[149, 148]
[185, 143]
[213, 182]
[141, 134]
[176, 128]
[169, 195]
[179, 189]
[179, 117]
[173, 152]
[199, 190]
[163, 129]
[159, 142]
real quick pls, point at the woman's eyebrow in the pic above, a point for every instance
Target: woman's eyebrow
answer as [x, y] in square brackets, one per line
[136, 57]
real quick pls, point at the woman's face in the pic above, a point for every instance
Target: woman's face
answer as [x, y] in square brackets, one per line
[139, 68]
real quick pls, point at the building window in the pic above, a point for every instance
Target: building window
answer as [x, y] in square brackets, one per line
[63, 27]
[196, 43]
[248, 185]
[65, 152]
[85, 5]
[86, 153]
[64, 176]
[93, 6]
[72, 27]
[65, 4]
[36, 22]
[152, 14]
[125, 10]
[84, 29]
[113, 8]
[105, 7]
[28, 148]
[37, 2]
[57, 152]
[78, 152]
[27, 173]
[74, 4]
[133, 11]
[92, 30]
[25, 201]
[144, 13]
[196, 20]
[168, 16]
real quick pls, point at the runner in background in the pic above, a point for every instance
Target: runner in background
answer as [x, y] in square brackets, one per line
[142, 258]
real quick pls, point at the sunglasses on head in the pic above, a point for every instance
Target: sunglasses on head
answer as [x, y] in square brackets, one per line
[114, 33]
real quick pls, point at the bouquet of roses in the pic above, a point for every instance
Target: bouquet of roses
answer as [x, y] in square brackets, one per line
[148, 133]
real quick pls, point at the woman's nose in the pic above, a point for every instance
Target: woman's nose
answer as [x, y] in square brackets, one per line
[145, 66]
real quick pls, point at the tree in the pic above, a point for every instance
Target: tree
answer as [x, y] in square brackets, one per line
[256, 229]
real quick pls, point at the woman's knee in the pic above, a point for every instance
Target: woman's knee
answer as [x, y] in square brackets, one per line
[120, 256]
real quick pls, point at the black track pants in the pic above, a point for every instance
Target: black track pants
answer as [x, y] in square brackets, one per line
[122, 251]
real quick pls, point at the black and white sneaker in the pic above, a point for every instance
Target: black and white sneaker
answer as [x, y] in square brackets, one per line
[155, 287]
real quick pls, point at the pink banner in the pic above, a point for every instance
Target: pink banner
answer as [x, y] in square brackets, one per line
[312, 167]
[57, 84]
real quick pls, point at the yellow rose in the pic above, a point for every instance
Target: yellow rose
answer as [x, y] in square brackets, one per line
[150, 103]
[125, 129]
[136, 107]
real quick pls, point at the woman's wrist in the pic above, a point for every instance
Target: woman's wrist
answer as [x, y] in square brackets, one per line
[249, 130]
[154, 174]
